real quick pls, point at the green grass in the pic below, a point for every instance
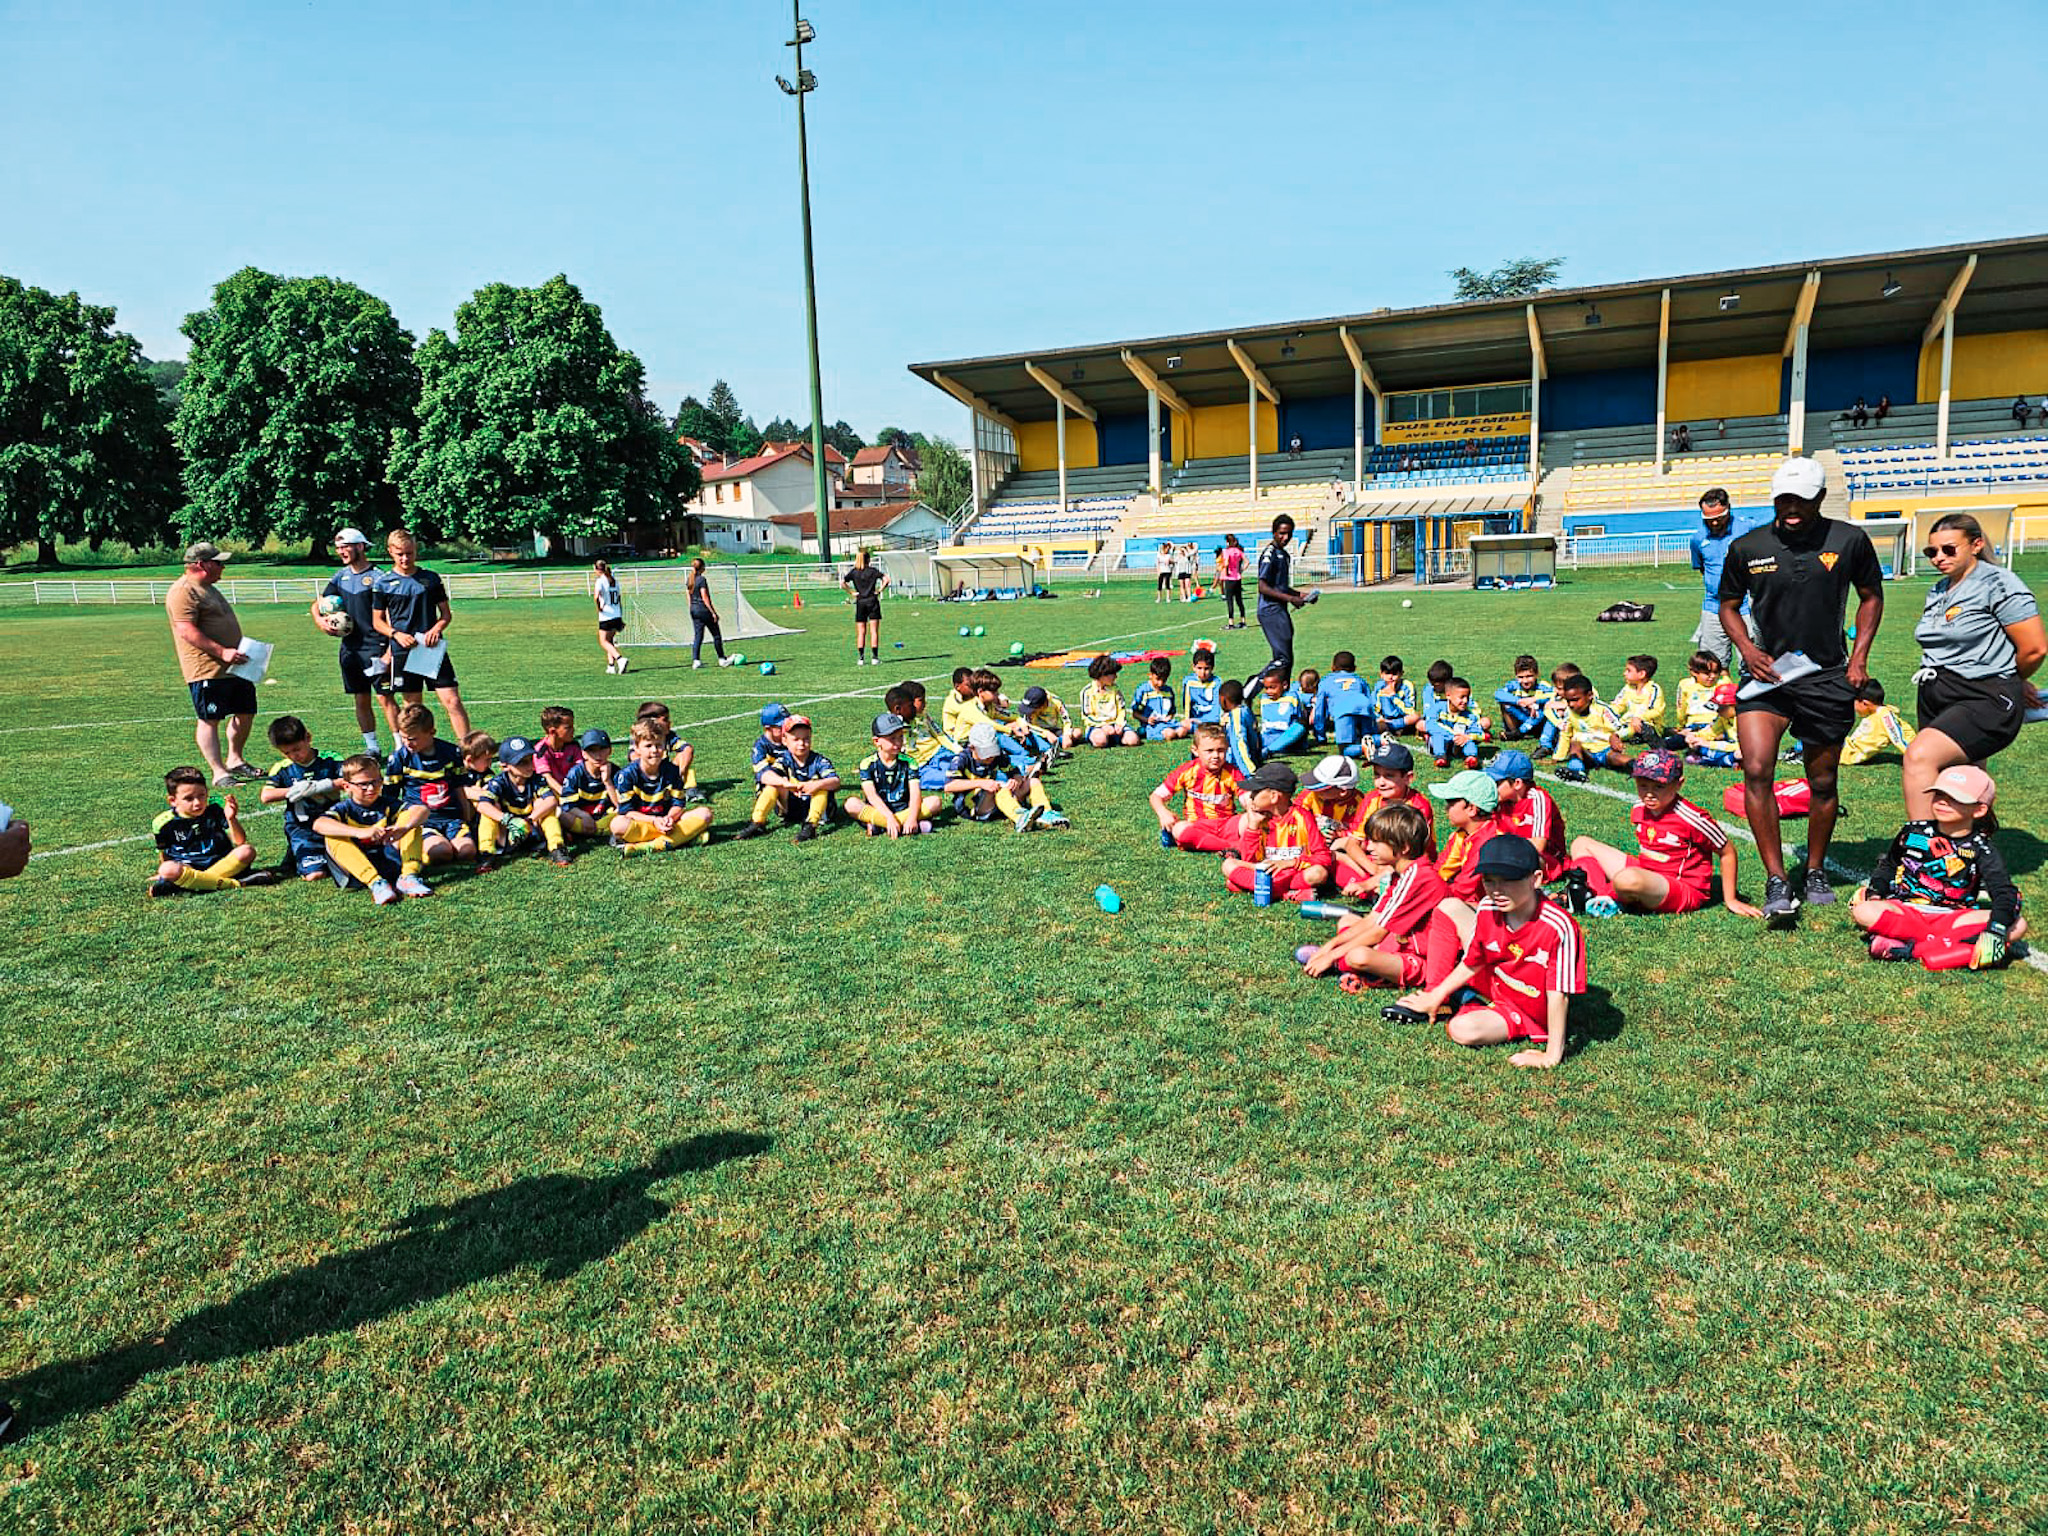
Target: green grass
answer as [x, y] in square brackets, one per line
[857, 1187]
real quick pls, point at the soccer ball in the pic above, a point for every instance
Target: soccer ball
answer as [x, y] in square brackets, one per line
[330, 604]
[963, 631]
[980, 630]
[1407, 602]
[739, 658]
[334, 619]
[1016, 647]
[767, 669]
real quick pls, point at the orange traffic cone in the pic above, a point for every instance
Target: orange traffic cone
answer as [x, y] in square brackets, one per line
[799, 600]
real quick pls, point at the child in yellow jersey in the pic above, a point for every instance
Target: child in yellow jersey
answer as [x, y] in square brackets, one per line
[1878, 727]
[799, 783]
[952, 713]
[1713, 745]
[1046, 715]
[1554, 708]
[373, 837]
[587, 788]
[1103, 713]
[1640, 704]
[1592, 733]
[1696, 706]
[517, 793]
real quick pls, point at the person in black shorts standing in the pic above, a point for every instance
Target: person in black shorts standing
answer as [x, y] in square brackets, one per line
[362, 648]
[866, 581]
[410, 606]
[1796, 572]
[1277, 600]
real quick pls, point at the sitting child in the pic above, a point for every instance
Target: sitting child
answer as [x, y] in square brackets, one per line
[1878, 727]
[959, 698]
[1278, 837]
[586, 789]
[1525, 960]
[517, 792]
[305, 784]
[1153, 708]
[1282, 724]
[768, 746]
[1208, 784]
[201, 846]
[1529, 810]
[1240, 728]
[1393, 700]
[890, 801]
[427, 771]
[1198, 690]
[1103, 714]
[1521, 700]
[479, 751]
[1680, 845]
[1386, 945]
[1555, 710]
[1048, 717]
[557, 751]
[1436, 683]
[1393, 783]
[677, 750]
[1591, 737]
[1714, 745]
[984, 786]
[1343, 713]
[650, 811]
[1307, 683]
[1696, 707]
[798, 784]
[1332, 797]
[1471, 800]
[374, 839]
[1941, 894]
[1458, 729]
[1640, 704]
[930, 750]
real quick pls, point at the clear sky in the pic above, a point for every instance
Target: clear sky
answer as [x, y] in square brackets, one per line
[986, 177]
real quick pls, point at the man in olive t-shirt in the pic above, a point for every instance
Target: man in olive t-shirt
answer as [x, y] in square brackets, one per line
[208, 638]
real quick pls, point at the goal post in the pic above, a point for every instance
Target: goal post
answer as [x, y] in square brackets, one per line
[660, 615]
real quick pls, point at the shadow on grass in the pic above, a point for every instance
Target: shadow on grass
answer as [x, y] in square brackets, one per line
[2022, 851]
[560, 1222]
[1593, 1017]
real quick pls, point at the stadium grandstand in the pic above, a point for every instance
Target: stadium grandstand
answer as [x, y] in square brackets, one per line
[1394, 436]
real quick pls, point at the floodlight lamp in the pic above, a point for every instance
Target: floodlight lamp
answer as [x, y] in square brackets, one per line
[1079, 373]
[1173, 361]
[1892, 287]
[1594, 317]
[1730, 301]
[805, 33]
[806, 81]
[1287, 349]
[787, 88]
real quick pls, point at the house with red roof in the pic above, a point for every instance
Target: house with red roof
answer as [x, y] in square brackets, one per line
[745, 505]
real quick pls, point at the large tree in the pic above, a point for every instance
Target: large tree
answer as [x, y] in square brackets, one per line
[533, 420]
[1511, 280]
[287, 407]
[85, 441]
[944, 479]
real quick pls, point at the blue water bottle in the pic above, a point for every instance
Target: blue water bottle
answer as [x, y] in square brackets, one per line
[1262, 888]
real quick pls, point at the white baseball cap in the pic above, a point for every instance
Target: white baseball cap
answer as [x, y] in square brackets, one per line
[351, 536]
[1803, 478]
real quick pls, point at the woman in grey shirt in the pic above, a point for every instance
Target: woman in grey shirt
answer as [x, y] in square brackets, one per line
[1980, 638]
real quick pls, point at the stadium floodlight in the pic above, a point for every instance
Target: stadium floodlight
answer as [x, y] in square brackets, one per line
[1287, 349]
[805, 33]
[1173, 361]
[1892, 287]
[1079, 373]
[1593, 316]
[806, 82]
[1730, 301]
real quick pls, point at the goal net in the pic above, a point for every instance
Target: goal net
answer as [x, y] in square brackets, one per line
[661, 615]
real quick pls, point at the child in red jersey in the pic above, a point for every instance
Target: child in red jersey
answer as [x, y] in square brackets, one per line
[1279, 837]
[1208, 784]
[1386, 945]
[1470, 799]
[1526, 961]
[1529, 810]
[1681, 844]
[1393, 783]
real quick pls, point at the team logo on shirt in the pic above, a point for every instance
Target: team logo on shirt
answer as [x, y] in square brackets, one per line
[1828, 557]
[1953, 612]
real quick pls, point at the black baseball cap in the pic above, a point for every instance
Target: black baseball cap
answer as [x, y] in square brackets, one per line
[1508, 857]
[1034, 698]
[1272, 776]
[1392, 755]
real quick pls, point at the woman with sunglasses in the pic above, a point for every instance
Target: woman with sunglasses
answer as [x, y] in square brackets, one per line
[1980, 640]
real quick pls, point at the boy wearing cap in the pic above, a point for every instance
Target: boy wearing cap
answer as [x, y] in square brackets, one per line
[363, 660]
[1529, 810]
[517, 789]
[768, 746]
[1387, 945]
[1209, 785]
[889, 801]
[1525, 958]
[1941, 893]
[1279, 837]
[1680, 845]
[1048, 717]
[1331, 796]
[1393, 783]
[1457, 728]
[586, 789]
[1591, 733]
[799, 775]
[1199, 702]
[1343, 712]
[648, 796]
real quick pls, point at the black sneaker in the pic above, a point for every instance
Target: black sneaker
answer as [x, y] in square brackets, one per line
[1818, 891]
[1781, 907]
[806, 832]
[751, 829]
[256, 879]
[486, 866]
[10, 1423]
[157, 890]
[559, 857]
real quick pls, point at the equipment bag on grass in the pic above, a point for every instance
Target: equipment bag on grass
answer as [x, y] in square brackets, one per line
[1795, 798]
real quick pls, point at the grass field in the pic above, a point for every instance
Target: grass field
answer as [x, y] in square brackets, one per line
[862, 1187]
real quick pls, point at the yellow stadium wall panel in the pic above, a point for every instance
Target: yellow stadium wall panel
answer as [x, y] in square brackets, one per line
[1038, 444]
[1992, 367]
[1218, 432]
[1722, 386]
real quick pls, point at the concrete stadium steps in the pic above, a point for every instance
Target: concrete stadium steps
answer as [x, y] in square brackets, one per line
[1602, 445]
[1914, 425]
[1314, 465]
[1624, 486]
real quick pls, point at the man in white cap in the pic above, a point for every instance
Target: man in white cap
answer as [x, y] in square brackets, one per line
[208, 638]
[362, 648]
[1795, 572]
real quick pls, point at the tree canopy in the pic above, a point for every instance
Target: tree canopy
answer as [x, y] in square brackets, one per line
[944, 479]
[1511, 280]
[85, 441]
[532, 419]
[288, 404]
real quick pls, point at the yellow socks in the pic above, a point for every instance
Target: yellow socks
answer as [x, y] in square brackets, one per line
[190, 879]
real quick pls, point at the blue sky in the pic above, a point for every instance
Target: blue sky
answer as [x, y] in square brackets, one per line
[985, 177]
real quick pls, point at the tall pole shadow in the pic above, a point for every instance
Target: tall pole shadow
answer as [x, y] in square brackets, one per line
[560, 1221]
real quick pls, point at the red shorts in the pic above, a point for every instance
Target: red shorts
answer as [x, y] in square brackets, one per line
[1217, 834]
[1287, 883]
[1522, 1025]
[1411, 963]
[1912, 922]
[1678, 898]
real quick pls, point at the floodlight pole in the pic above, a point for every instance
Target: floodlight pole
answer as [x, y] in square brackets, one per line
[805, 84]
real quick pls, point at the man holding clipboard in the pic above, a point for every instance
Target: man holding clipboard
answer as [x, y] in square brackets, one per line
[1796, 572]
[409, 606]
[208, 638]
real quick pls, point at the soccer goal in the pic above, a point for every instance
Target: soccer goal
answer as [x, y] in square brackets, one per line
[660, 614]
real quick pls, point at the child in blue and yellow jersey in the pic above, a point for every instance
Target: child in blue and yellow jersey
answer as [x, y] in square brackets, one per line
[1435, 683]
[1344, 711]
[1198, 702]
[1306, 684]
[678, 751]
[1283, 725]
[1153, 704]
[1555, 712]
[1393, 701]
[1714, 744]
[1592, 734]
[1049, 719]
[427, 771]
[1103, 715]
[201, 846]
[1878, 727]
[305, 783]
[648, 797]
[1459, 730]
[587, 788]
[1241, 738]
[1521, 699]
[517, 791]
[1696, 706]
[372, 837]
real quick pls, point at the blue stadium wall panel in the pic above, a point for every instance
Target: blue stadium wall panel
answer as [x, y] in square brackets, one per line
[1607, 397]
[1835, 376]
[1122, 439]
[1322, 421]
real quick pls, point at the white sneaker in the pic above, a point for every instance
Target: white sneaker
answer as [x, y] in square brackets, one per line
[696, 666]
[725, 661]
[624, 662]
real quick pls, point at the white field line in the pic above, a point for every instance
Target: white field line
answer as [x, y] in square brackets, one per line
[875, 689]
[2033, 956]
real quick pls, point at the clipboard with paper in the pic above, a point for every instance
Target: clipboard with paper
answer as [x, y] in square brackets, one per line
[1790, 667]
[425, 660]
[257, 663]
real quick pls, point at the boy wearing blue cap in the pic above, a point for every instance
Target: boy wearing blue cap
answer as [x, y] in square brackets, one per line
[517, 790]
[1048, 718]
[586, 788]
[768, 745]
[1529, 810]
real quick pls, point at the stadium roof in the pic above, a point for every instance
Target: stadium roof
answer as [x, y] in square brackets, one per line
[1488, 340]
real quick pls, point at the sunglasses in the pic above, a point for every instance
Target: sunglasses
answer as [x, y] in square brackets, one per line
[1940, 549]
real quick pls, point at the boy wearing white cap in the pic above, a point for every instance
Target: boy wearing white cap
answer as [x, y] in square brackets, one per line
[353, 624]
[1795, 572]
[1941, 894]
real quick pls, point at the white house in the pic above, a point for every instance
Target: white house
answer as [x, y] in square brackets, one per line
[745, 504]
[889, 525]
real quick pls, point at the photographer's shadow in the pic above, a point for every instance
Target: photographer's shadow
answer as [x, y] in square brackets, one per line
[560, 1221]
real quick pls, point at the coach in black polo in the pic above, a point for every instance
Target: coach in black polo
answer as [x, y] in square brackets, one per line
[1277, 601]
[1796, 572]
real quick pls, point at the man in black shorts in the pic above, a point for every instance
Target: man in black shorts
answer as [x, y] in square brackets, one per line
[409, 605]
[1277, 601]
[1796, 572]
[362, 648]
